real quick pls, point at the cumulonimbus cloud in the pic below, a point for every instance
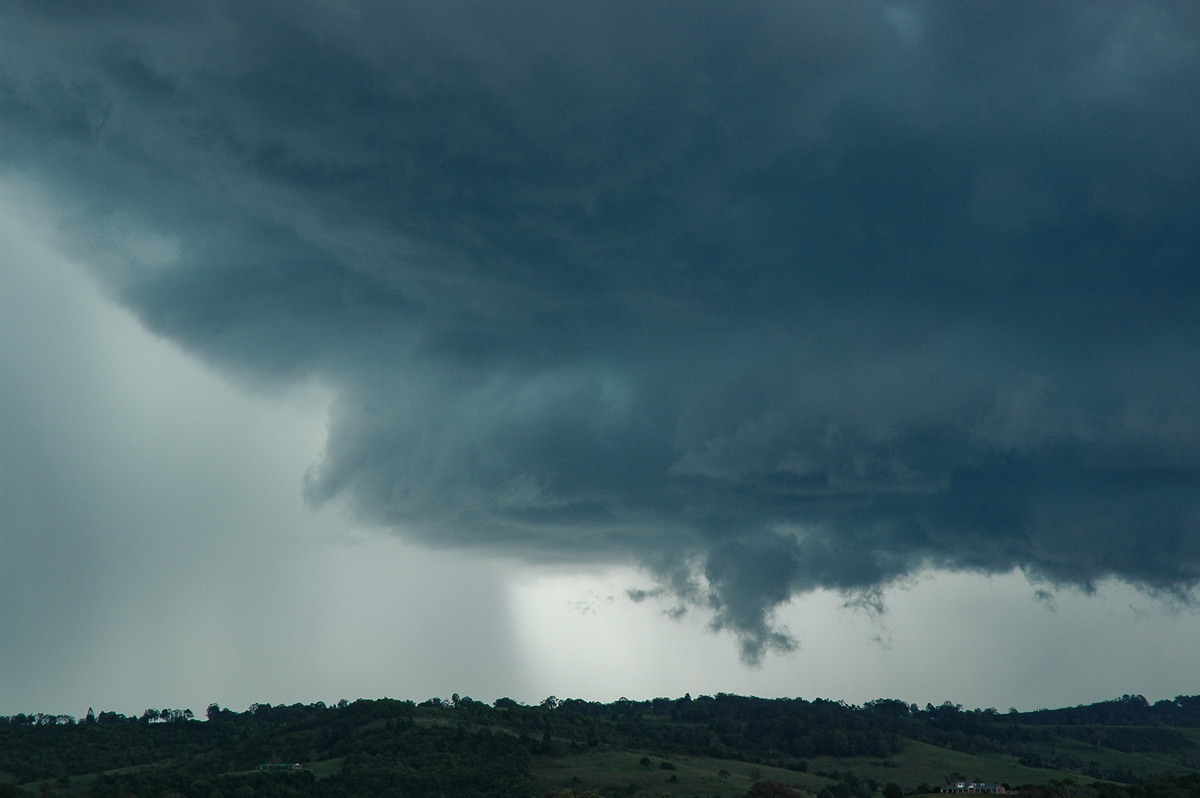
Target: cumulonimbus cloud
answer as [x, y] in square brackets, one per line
[762, 299]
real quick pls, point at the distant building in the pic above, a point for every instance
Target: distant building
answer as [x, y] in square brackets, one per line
[975, 787]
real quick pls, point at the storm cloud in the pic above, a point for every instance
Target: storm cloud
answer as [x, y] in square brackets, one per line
[762, 298]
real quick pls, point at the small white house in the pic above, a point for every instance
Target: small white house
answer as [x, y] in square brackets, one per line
[974, 787]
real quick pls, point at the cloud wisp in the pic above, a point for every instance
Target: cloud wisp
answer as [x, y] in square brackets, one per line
[763, 300]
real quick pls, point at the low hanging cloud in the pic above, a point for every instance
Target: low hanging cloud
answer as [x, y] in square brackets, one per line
[763, 299]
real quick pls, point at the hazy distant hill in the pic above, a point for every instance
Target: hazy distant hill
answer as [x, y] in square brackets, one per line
[719, 745]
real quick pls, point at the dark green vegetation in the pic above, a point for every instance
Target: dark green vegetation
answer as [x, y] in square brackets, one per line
[721, 745]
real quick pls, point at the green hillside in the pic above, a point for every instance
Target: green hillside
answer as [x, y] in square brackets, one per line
[722, 746]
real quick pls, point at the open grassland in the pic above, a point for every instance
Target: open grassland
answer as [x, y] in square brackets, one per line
[327, 767]
[623, 772]
[1179, 753]
[920, 763]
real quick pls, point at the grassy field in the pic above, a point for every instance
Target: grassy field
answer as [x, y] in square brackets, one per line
[623, 772]
[1072, 754]
[638, 774]
[920, 763]
[327, 768]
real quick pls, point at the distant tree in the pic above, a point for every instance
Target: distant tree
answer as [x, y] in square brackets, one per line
[90, 718]
[889, 707]
[772, 789]
[892, 790]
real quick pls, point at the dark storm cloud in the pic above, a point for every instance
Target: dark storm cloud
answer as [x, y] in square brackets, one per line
[765, 299]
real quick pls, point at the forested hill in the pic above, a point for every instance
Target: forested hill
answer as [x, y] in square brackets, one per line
[1128, 710]
[720, 745]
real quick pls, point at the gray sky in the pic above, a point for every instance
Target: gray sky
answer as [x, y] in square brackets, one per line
[364, 348]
